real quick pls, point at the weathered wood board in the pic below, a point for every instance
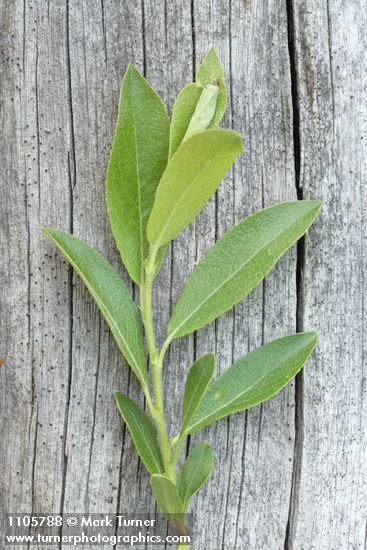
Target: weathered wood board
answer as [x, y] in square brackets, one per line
[293, 473]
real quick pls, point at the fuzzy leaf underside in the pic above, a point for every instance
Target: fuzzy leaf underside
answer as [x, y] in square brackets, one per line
[182, 113]
[211, 72]
[198, 106]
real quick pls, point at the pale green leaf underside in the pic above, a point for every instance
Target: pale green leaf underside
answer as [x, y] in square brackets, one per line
[204, 112]
[238, 262]
[166, 494]
[111, 296]
[187, 111]
[254, 378]
[138, 158]
[142, 433]
[191, 177]
[211, 72]
[182, 113]
[195, 471]
[197, 382]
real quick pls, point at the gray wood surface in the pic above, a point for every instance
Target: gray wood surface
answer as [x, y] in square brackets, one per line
[291, 474]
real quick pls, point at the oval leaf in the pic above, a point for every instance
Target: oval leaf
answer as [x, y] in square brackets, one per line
[111, 296]
[138, 158]
[197, 382]
[166, 494]
[254, 378]
[195, 471]
[142, 433]
[191, 176]
[238, 262]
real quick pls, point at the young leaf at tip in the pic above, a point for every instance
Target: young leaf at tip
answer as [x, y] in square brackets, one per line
[197, 382]
[201, 104]
[195, 471]
[204, 111]
[111, 296]
[191, 177]
[138, 158]
[254, 378]
[211, 72]
[237, 262]
[142, 433]
[168, 498]
[182, 113]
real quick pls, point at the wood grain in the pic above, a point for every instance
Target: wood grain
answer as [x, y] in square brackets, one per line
[292, 473]
[331, 469]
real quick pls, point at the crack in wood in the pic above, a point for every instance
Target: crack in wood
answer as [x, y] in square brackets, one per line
[298, 395]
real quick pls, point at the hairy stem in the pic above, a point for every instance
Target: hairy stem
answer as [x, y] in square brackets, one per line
[156, 359]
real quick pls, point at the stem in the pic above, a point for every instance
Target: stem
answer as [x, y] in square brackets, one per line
[156, 359]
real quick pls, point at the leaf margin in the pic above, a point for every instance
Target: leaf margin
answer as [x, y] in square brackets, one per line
[138, 366]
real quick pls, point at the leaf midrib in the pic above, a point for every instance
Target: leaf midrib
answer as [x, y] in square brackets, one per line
[172, 335]
[141, 240]
[278, 365]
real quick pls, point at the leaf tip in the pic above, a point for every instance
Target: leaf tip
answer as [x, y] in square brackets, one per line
[318, 203]
[212, 56]
[212, 52]
[132, 69]
[50, 232]
[118, 396]
[313, 335]
[133, 72]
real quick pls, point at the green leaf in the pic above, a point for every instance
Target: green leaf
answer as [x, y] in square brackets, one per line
[191, 176]
[111, 296]
[211, 72]
[142, 433]
[182, 113]
[138, 158]
[197, 383]
[195, 471]
[199, 105]
[166, 494]
[254, 378]
[238, 262]
[204, 112]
